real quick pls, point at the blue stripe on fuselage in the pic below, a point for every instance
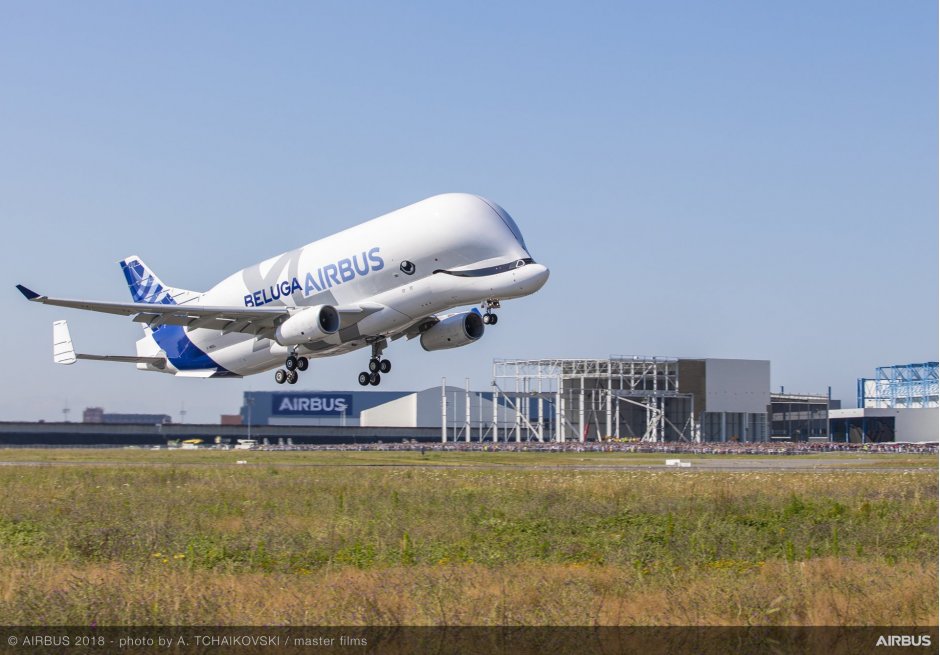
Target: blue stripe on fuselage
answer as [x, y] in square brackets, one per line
[180, 349]
[183, 354]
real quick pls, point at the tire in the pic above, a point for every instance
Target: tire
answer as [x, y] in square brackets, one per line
[374, 365]
[280, 376]
[385, 366]
[493, 319]
[375, 379]
[302, 363]
[486, 319]
[291, 363]
[364, 379]
[292, 377]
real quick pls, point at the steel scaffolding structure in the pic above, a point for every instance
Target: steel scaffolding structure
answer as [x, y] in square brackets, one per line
[901, 386]
[633, 397]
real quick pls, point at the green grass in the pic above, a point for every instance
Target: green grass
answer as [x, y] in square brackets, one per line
[276, 518]
[201, 517]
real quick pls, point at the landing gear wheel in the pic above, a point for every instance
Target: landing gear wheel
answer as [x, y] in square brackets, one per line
[493, 319]
[302, 363]
[385, 366]
[291, 363]
[364, 379]
[292, 377]
[374, 379]
[280, 376]
[374, 365]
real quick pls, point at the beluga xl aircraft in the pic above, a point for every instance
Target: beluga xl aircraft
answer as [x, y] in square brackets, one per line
[399, 275]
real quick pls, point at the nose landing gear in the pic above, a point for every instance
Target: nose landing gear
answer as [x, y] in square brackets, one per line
[489, 318]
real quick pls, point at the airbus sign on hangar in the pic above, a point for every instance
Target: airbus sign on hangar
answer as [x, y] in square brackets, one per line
[311, 407]
[370, 408]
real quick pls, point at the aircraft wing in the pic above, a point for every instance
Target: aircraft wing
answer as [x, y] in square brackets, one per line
[259, 321]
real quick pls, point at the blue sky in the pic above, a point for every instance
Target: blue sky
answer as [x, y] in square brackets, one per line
[731, 179]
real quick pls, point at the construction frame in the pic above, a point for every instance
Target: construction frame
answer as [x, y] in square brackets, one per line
[634, 398]
[901, 386]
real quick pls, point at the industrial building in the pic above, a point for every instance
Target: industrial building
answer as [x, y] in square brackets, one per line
[800, 416]
[644, 398]
[329, 408]
[450, 406]
[901, 403]
[98, 415]
[461, 414]
[553, 400]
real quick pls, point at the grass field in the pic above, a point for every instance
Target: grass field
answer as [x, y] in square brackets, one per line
[394, 538]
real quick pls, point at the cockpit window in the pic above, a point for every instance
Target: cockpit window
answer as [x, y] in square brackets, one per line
[511, 224]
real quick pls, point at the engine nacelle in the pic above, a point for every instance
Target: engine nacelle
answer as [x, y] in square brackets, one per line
[453, 331]
[308, 325]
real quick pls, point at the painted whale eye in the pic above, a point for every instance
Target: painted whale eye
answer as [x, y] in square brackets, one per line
[407, 267]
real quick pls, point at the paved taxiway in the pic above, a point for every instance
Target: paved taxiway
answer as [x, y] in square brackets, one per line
[730, 464]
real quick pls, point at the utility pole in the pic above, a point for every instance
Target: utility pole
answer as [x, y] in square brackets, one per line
[249, 401]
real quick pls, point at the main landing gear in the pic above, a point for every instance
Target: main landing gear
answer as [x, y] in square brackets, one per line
[294, 366]
[377, 366]
[489, 318]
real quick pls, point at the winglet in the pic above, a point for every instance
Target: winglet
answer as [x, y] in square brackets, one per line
[29, 293]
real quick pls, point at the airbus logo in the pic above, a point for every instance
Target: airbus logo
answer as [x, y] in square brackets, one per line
[314, 404]
[325, 277]
[903, 640]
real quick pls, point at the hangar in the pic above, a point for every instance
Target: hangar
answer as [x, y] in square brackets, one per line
[311, 407]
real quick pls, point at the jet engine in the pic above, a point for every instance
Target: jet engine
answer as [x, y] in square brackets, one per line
[453, 331]
[308, 325]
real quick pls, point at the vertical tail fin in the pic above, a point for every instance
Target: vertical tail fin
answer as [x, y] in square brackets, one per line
[146, 287]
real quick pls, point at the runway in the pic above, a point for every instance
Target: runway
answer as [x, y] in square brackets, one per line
[722, 464]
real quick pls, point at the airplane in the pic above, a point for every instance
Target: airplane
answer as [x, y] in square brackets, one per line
[398, 275]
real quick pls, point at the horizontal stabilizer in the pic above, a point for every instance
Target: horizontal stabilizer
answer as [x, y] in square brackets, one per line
[158, 362]
[63, 352]
[198, 373]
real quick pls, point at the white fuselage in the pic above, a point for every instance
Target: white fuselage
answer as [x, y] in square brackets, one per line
[392, 266]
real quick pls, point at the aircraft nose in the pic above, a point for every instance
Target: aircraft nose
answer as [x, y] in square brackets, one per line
[538, 276]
